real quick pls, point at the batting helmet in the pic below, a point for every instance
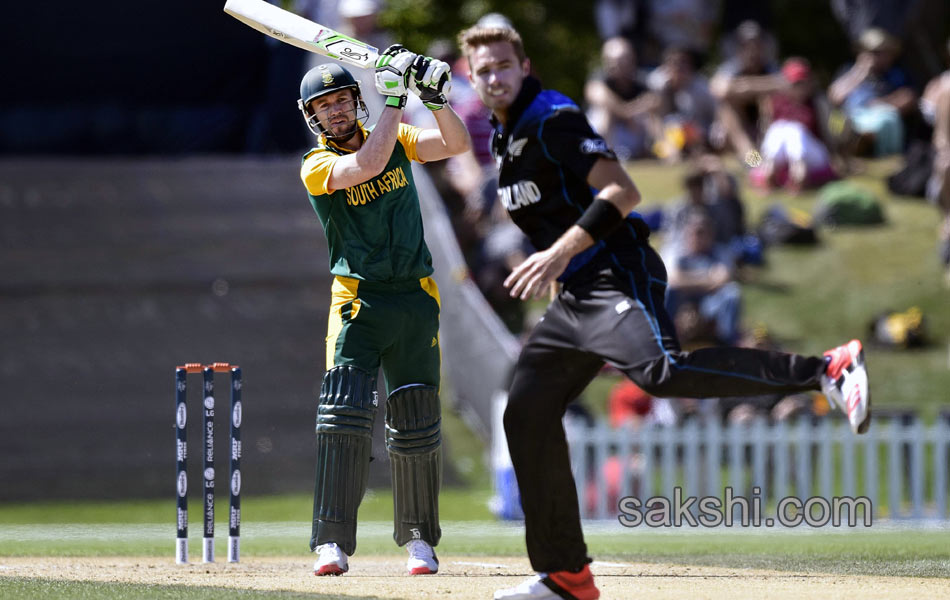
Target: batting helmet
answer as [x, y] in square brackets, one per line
[324, 79]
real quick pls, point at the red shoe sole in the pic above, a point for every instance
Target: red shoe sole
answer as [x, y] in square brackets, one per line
[423, 571]
[329, 570]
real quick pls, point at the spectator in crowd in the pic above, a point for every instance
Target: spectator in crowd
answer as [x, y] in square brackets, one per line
[709, 189]
[676, 216]
[688, 24]
[703, 279]
[921, 26]
[623, 18]
[875, 95]
[685, 111]
[935, 108]
[795, 147]
[740, 84]
[628, 404]
[618, 102]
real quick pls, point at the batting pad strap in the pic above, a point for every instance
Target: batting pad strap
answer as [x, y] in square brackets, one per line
[347, 401]
[418, 441]
[413, 420]
[600, 219]
[343, 419]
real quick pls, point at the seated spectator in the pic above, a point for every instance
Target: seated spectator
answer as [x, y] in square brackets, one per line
[875, 95]
[628, 405]
[795, 148]
[702, 279]
[935, 107]
[618, 102]
[686, 109]
[721, 194]
[740, 84]
[709, 189]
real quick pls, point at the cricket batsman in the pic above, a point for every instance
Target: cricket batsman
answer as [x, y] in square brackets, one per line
[384, 310]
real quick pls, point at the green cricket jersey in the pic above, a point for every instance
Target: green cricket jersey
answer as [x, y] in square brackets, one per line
[374, 229]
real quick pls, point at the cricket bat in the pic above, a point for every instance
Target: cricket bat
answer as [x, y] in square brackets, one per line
[303, 33]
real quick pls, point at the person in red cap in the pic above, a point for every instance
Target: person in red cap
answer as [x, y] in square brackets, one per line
[796, 141]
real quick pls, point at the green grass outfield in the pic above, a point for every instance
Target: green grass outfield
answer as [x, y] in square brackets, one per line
[46, 589]
[814, 298]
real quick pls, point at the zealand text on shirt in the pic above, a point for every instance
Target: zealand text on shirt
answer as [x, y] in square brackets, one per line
[519, 195]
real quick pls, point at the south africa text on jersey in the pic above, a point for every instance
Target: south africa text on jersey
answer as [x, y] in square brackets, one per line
[365, 193]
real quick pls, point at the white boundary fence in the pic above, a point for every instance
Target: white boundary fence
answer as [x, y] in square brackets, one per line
[901, 465]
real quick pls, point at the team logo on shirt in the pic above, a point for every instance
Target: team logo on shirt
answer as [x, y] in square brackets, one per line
[516, 147]
[594, 146]
[519, 195]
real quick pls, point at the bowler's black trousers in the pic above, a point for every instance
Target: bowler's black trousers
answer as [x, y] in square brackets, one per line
[613, 315]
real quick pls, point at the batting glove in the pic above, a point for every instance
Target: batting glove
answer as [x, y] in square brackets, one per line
[392, 74]
[431, 80]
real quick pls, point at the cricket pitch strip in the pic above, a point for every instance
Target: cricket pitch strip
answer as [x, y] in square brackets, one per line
[467, 577]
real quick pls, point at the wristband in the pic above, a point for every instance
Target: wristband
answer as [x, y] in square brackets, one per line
[396, 101]
[436, 103]
[600, 219]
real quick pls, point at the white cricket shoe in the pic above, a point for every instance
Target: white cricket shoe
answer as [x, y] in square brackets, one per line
[554, 586]
[331, 560]
[845, 383]
[422, 558]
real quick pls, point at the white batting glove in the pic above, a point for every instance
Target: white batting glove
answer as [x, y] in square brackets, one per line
[431, 80]
[392, 74]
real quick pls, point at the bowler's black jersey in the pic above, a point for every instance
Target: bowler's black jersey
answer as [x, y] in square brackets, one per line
[544, 157]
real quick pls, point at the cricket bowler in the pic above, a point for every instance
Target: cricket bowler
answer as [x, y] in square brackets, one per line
[564, 187]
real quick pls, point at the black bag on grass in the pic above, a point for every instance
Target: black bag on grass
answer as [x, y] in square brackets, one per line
[780, 225]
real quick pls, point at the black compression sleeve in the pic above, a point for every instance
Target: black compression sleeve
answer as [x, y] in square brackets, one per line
[600, 219]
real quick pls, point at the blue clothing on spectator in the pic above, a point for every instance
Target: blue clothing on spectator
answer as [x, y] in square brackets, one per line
[875, 86]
